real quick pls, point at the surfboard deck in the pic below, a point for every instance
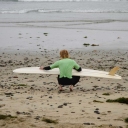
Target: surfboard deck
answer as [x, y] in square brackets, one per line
[84, 72]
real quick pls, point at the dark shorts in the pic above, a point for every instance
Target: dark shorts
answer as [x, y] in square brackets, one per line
[66, 81]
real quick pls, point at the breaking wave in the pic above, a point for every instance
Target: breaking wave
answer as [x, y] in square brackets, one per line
[51, 0]
[61, 0]
[60, 11]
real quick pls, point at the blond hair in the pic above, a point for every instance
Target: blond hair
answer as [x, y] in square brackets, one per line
[64, 54]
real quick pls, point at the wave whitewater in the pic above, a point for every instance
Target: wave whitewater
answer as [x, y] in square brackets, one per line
[60, 11]
[63, 0]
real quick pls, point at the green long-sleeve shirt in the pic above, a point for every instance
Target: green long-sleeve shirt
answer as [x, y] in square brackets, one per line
[65, 66]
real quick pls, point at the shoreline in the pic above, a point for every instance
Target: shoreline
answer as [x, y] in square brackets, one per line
[37, 36]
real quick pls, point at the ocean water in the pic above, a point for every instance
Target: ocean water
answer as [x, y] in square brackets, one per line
[17, 9]
[63, 6]
[16, 15]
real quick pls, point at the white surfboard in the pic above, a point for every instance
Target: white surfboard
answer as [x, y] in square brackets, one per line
[84, 72]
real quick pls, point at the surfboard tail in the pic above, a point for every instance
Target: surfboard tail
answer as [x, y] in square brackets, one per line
[113, 71]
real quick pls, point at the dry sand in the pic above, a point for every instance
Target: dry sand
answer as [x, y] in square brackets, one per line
[40, 98]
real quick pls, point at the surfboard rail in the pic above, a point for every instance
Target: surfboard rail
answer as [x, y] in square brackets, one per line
[84, 72]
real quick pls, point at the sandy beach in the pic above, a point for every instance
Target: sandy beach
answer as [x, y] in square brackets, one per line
[33, 97]
[95, 32]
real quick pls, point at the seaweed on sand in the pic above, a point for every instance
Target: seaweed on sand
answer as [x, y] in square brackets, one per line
[45, 34]
[23, 85]
[85, 44]
[126, 120]
[3, 117]
[107, 94]
[49, 120]
[119, 100]
[98, 101]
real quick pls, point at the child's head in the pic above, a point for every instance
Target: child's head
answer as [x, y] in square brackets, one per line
[64, 54]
